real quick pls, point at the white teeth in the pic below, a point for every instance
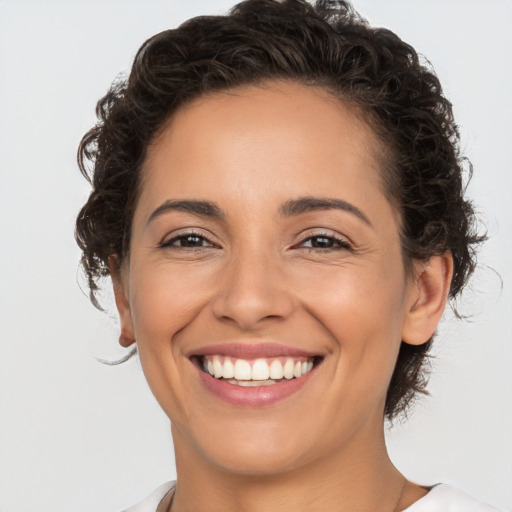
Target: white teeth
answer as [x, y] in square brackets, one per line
[217, 367]
[242, 370]
[256, 372]
[260, 370]
[288, 369]
[229, 370]
[276, 369]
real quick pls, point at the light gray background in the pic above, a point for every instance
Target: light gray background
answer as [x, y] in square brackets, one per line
[78, 435]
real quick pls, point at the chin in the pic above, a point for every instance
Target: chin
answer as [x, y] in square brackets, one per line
[252, 448]
[251, 461]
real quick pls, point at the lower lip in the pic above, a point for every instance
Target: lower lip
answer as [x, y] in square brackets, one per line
[253, 396]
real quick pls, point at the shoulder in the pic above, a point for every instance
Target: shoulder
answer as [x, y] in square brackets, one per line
[151, 502]
[441, 498]
[446, 498]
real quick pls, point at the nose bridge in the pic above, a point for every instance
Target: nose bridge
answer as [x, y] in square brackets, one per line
[253, 287]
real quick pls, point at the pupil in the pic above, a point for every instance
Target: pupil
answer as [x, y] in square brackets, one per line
[321, 242]
[192, 241]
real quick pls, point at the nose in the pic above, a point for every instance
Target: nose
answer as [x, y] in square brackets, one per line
[253, 292]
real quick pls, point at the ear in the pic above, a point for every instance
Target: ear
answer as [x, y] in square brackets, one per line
[127, 336]
[427, 298]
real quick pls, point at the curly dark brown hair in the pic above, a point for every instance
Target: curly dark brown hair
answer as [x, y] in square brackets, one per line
[327, 45]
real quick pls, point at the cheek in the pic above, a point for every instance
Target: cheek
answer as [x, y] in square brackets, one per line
[164, 301]
[162, 305]
[359, 296]
[363, 312]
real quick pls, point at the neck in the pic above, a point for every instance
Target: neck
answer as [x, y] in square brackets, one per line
[357, 477]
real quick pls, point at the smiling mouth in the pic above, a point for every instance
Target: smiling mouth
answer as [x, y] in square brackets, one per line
[256, 372]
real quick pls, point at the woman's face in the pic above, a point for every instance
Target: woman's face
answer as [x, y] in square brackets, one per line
[263, 245]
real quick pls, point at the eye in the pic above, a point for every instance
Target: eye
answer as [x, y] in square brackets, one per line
[187, 241]
[325, 242]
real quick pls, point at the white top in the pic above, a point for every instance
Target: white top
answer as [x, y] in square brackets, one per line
[445, 498]
[441, 498]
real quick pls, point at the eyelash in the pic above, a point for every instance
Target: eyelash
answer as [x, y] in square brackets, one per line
[169, 243]
[338, 243]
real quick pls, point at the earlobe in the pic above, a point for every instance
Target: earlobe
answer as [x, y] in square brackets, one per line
[127, 336]
[427, 298]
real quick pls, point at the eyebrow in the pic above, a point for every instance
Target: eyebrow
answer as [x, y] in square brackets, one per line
[288, 209]
[309, 204]
[202, 208]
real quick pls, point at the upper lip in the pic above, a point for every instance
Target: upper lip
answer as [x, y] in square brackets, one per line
[245, 350]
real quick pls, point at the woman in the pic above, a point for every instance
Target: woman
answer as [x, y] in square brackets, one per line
[278, 199]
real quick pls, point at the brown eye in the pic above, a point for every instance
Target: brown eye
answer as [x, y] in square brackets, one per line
[325, 242]
[322, 242]
[188, 241]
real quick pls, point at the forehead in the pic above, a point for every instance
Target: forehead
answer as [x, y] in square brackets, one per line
[274, 139]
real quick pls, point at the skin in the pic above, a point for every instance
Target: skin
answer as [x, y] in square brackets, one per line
[259, 276]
